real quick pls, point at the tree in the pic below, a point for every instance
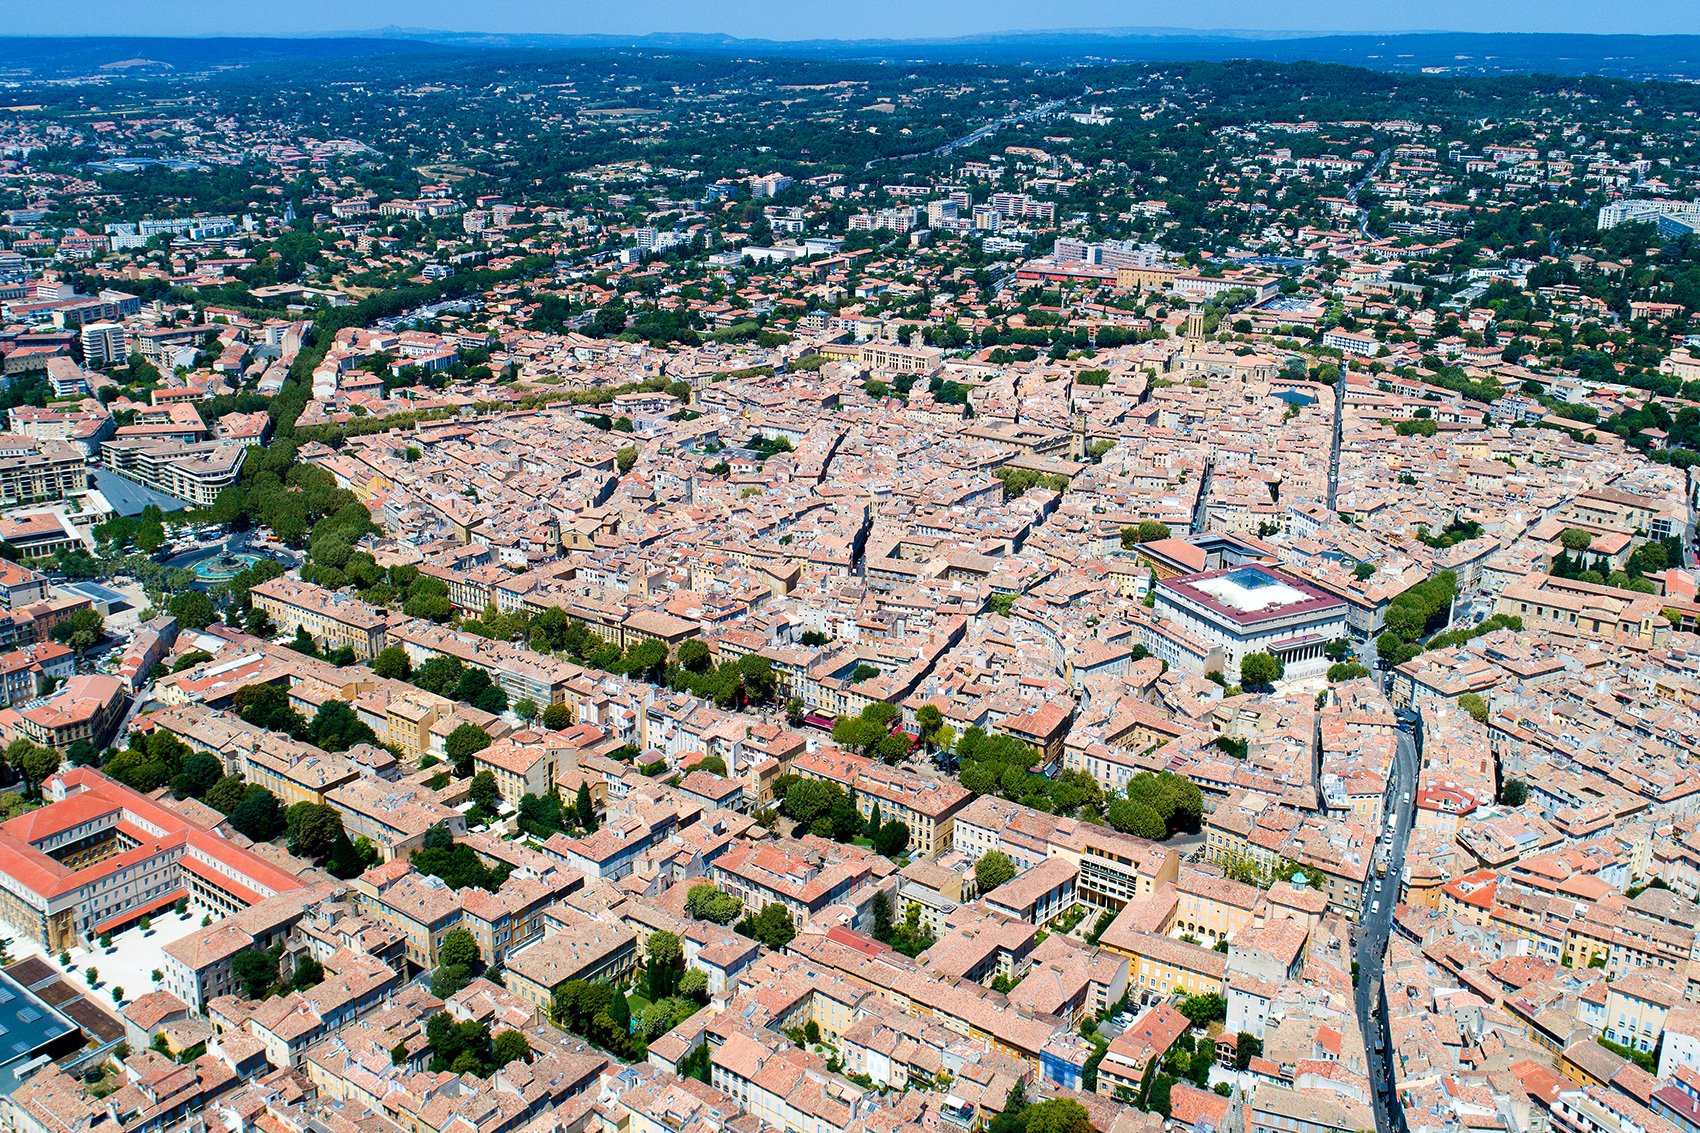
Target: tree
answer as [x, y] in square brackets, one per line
[1158, 1100]
[258, 816]
[1259, 669]
[337, 727]
[313, 828]
[1515, 792]
[882, 916]
[193, 610]
[483, 792]
[1057, 1115]
[892, 839]
[928, 720]
[695, 656]
[256, 971]
[37, 764]
[809, 799]
[1405, 621]
[80, 630]
[526, 709]
[557, 716]
[391, 663]
[1202, 1009]
[1338, 649]
[665, 956]
[756, 672]
[772, 926]
[267, 706]
[462, 744]
[459, 947]
[1576, 539]
[225, 795]
[201, 771]
[1475, 706]
[706, 902]
[992, 870]
[1247, 1046]
[1132, 817]
[693, 985]
[398, 1053]
[449, 979]
[583, 809]
[1149, 530]
[540, 815]
[259, 623]
[509, 1046]
[625, 458]
[308, 973]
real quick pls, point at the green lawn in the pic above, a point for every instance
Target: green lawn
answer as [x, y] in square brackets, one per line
[637, 1001]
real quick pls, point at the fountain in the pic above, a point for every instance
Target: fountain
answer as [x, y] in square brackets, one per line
[223, 566]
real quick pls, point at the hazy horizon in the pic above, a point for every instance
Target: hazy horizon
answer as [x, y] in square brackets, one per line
[878, 19]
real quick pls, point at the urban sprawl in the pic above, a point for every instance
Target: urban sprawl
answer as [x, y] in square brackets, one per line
[620, 593]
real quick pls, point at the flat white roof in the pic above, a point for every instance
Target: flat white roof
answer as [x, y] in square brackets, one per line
[1250, 590]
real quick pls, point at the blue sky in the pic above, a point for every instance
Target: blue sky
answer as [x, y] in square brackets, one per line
[791, 19]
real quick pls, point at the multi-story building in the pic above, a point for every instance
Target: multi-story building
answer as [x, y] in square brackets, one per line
[1114, 867]
[925, 804]
[803, 882]
[1277, 1109]
[393, 816]
[100, 856]
[103, 344]
[40, 470]
[420, 907]
[1256, 609]
[196, 472]
[573, 947]
[332, 619]
[86, 709]
[1576, 609]
[24, 673]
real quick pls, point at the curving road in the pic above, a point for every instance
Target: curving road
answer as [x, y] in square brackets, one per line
[1373, 932]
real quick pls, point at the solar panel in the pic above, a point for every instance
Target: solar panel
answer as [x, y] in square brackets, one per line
[28, 1014]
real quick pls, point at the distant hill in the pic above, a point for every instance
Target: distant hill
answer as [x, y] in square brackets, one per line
[1619, 56]
[56, 56]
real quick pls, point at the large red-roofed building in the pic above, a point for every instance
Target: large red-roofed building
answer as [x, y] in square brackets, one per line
[100, 856]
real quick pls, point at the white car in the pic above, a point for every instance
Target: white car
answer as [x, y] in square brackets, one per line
[1375, 908]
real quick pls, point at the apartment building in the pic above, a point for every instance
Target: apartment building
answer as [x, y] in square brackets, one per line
[394, 816]
[573, 947]
[87, 708]
[333, 620]
[196, 472]
[927, 805]
[1114, 867]
[801, 880]
[32, 471]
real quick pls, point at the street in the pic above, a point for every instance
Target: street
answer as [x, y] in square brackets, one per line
[1374, 928]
